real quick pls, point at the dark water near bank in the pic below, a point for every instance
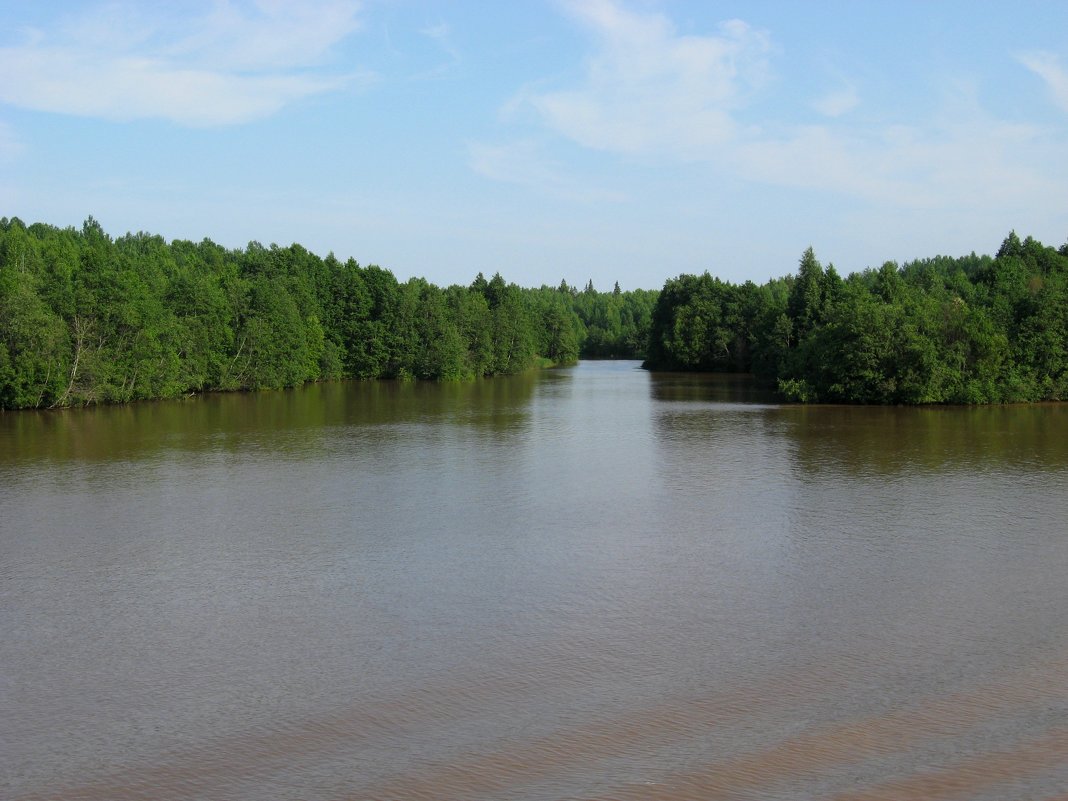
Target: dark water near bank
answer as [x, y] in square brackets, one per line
[592, 583]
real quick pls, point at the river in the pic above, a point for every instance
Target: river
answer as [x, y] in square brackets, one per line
[587, 583]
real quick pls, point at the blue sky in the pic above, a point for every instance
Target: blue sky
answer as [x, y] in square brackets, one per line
[570, 139]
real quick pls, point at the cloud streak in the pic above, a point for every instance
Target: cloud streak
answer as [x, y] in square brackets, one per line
[837, 103]
[967, 164]
[648, 90]
[441, 35]
[230, 65]
[523, 163]
[1048, 67]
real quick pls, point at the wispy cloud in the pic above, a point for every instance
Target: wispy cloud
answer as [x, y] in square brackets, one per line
[1048, 67]
[525, 163]
[837, 102]
[968, 163]
[232, 63]
[649, 90]
[441, 35]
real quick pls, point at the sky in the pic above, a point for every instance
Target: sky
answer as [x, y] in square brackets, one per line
[577, 140]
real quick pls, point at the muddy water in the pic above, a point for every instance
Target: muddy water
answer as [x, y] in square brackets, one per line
[592, 583]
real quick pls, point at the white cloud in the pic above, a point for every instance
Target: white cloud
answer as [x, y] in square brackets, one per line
[1048, 67]
[524, 163]
[967, 164]
[231, 64]
[273, 34]
[837, 103]
[648, 90]
[441, 35]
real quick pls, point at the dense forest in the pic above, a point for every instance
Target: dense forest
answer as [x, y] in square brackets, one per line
[85, 318]
[943, 330]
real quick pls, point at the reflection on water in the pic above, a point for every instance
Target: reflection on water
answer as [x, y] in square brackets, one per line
[890, 441]
[276, 421]
[585, 583]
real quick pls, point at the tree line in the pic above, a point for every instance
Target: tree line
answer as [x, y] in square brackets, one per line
[976, 329]
[85, 318]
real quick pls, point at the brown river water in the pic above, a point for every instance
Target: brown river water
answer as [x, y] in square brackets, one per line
[591, 583]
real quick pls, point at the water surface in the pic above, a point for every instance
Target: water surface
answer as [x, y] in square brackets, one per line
[593, 583]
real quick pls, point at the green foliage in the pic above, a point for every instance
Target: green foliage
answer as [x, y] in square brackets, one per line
[702, 323]
[969, 330]
[87, 319]
[34, 347]
[557, 325]
[611, 325]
